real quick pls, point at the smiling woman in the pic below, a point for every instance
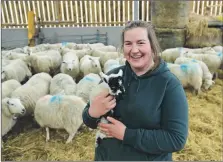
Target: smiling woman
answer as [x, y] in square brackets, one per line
[151, 120]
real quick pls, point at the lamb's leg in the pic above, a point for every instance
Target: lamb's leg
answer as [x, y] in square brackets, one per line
[47, 134]
[71, 136]
[99, 137]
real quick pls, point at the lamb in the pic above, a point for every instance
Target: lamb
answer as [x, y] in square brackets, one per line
[62, 84]
[207, 76]
[60, 112]
[9, 86]
[218, 49]
[70, 65]
[11, 109]
[113, 84]
[30, 92]
[48, 62]
[189, 74]
[90, 64]
[111, 64]
[86, 84]
[17, 69]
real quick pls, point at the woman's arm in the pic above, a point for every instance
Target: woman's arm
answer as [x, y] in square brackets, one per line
[174, 126]
[88, 120]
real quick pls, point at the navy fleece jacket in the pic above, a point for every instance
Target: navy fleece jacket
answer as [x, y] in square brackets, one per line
[155, 111]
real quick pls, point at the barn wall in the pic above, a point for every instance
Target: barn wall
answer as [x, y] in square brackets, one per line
[18, 37]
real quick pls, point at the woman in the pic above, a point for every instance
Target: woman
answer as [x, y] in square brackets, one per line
[151, 121]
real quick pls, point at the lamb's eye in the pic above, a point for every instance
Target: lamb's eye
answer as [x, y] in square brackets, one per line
[12, 104]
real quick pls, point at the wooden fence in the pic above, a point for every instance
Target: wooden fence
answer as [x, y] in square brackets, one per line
[80, 13]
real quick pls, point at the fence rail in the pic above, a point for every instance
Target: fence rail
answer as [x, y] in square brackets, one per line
[82, 13]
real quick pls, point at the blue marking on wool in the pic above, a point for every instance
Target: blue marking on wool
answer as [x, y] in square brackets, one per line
[193, 60]
[56, 98]
[64, 43]
[220, 54]
[88, 78]
[184, 67]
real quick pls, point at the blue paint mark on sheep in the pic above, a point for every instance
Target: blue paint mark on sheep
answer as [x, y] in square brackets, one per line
[193, 60]
[220, 54]
[56, 98]
[64, 43]
[88, 79]
[184, 67]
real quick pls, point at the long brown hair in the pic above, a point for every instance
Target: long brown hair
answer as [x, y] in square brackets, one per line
[151, 34]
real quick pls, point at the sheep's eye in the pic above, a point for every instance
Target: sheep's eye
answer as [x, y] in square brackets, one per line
[63, 62]
[12, 104]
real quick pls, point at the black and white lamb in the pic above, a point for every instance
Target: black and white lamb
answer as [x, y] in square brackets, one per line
[113, 84]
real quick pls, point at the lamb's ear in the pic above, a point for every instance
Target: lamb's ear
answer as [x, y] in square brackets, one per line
[104, 77]
[120, 73]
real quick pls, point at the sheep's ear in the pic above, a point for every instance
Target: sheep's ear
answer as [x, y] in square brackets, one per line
[120, 73]
[104, 77]
[213, 82]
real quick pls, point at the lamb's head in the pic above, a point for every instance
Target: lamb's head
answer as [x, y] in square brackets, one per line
[208, 83]
[115, 83]
[13, 107]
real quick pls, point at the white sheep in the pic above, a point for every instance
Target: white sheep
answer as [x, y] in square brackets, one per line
[11, 110]
[60, 112]
[39, 78]
[90, 64]
[171, 54]
[86, 84]
[218, 48]
[189, 74]
[30, 92]
[17, 69]
[47, 61]
[212, 61]
[113, 84]
[111, 64]
[9, 86]
[62, 84]
[70, 65]
[207, 76]
[104, 56]
[106, 48]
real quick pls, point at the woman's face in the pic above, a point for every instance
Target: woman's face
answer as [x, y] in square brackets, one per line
[137, 49]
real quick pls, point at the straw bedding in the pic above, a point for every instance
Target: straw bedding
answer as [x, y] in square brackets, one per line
[204, 141]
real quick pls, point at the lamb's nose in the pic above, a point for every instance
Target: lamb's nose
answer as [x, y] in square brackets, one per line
[69, 69]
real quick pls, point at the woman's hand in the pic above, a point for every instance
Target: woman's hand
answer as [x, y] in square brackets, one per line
[114, 129]
[101, 104]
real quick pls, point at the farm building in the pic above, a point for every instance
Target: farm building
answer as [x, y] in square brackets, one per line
[37, 46]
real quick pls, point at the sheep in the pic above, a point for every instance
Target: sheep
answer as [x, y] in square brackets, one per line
[90, 64]
[62, 84]
[111, 64]
[60, 112]
[170, 54]
[218, 49]
[113, 84]
[106, 48]
[11, 109]
[86, 84]
[48, 62]
[212, 61]
[9, 86]
[189, 74]
[104, 56]
[30, 92]
[70, 65]
[39, 78]
[17, 69]
[207, 76]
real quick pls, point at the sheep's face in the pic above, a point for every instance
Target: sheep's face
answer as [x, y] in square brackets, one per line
[115, 83]
[208, 83]
[69, 64]
[15, 107]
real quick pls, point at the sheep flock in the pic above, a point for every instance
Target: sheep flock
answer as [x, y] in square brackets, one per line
[45, 89]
